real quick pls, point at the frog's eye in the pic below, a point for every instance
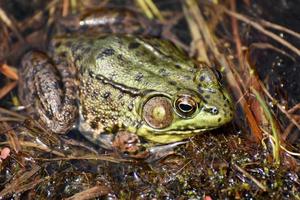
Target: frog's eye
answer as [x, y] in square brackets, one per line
[157, 112]
[186, 106]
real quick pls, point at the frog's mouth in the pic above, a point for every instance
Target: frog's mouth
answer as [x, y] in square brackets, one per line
[184, 132]
[170, 136]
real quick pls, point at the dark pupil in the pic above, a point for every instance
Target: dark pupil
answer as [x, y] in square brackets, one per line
[185, 107]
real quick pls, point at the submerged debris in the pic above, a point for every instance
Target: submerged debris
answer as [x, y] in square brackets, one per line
[256, 156]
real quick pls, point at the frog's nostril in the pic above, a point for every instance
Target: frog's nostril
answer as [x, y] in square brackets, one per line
[212, 110]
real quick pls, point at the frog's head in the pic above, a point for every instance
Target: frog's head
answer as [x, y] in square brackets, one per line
[171, 117]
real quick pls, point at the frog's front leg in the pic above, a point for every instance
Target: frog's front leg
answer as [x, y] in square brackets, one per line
[129, 145]
[48, 90]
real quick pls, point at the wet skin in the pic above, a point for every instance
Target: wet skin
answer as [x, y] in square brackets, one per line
[121, 90]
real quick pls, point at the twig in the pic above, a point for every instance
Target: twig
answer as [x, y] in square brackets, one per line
[261, 45]
[263, 30]
[294, 108]
[7, 88]
[147, 11]
[9, 72]
[18, 182]
[9, 119]
[246, 174]
[281, 146]
[13, 140]
[287, 131]
[154, 9]
[91, 193]
[289, 116]
[11, 113]
[65, 10]
[197, 42]
[28, 22]
[235, 31]
[40, 147]
[11, 25]
[279, 28]
[78, 144]
[86, 157]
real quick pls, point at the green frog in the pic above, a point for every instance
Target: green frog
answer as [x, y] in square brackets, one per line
[122, 91]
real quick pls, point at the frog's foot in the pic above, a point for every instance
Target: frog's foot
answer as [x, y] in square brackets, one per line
[46, 89]
[107, 21]
[162, 151]
[129, 145]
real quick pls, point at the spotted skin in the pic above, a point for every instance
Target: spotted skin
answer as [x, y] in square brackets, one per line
[106, 82]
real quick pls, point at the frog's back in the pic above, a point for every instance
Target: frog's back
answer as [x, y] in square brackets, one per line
[139, 64]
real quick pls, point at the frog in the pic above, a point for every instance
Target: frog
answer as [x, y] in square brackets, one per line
[124, 92]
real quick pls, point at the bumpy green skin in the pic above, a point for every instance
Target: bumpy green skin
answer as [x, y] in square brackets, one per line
[117, 74]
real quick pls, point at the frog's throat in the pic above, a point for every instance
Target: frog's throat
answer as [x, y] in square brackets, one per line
[169, 136]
